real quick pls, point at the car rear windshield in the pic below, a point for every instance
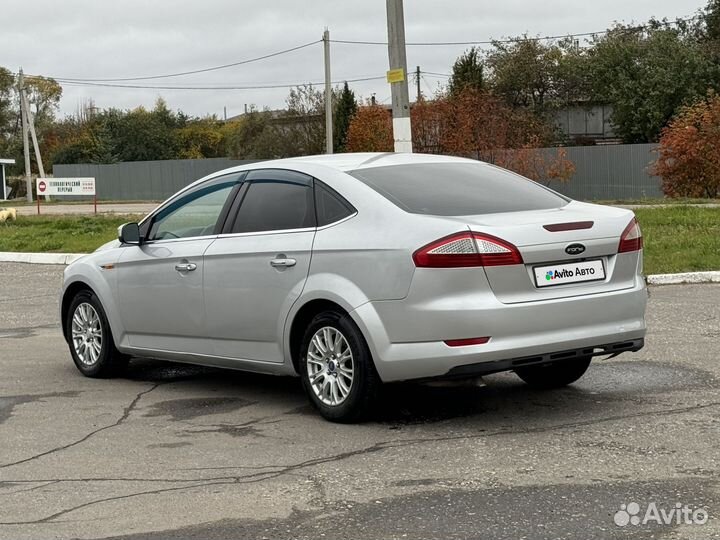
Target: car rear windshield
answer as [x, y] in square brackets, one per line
[457, 189]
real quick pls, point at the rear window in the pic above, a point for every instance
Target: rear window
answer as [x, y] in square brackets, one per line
[457, 189]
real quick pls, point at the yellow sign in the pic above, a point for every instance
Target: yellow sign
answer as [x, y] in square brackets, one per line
[396, 75]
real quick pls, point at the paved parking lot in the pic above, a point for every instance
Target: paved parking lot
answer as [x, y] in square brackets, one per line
[175, 451]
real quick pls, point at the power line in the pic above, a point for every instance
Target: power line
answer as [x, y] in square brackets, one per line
[192, 72]
[512, 40]
[228, 87]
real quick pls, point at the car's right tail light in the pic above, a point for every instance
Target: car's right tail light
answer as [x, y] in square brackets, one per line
[467, 249]
[631, 238]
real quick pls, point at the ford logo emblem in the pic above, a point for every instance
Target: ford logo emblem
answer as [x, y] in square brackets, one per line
[575, 249]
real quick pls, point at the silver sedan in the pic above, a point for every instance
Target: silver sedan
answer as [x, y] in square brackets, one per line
[354, 270]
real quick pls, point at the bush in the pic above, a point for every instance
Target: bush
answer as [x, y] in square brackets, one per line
[689, 152]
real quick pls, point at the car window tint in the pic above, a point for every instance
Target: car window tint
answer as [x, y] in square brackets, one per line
[458, 189]
[271, 205]
[329, 206]
[193, 215]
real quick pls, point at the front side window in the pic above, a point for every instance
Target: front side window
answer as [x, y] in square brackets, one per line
[195, 214]
[274, 205]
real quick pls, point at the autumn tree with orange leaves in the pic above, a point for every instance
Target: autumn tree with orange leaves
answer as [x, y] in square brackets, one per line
[689, 152]
[471, 123]
[370, 130]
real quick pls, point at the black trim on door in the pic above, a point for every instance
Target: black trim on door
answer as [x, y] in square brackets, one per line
[229, 204]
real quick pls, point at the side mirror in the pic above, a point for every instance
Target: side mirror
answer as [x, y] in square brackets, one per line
[129, 233]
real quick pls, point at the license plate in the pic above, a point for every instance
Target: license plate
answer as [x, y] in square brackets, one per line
[577, 272]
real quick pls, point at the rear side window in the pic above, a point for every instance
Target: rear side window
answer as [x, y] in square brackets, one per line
[458, 189]
[273, 205]
[330, 206]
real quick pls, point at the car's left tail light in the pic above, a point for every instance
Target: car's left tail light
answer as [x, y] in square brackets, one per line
[631, 238]
[467, 249]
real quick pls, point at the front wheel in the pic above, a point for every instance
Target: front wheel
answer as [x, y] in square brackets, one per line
[337, 369]
[555, 375]
[91, 343]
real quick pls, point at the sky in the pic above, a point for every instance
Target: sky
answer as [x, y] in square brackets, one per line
[106, 39]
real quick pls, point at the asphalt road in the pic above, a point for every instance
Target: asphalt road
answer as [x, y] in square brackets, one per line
[175, 451]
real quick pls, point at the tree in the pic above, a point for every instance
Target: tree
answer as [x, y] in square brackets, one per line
[43, 95]
[254, 136]
[7, 111]
[524, 71]
[543, 165]
[429, 125]
[201, 138]
[345, 109]
[304, 121]
[689, 152]
[140, 135]
[467, 71]
[647, 74]
[370, 130]
[88, 147]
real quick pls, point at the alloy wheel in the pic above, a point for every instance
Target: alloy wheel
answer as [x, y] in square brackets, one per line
[330, 366]
[86, 334]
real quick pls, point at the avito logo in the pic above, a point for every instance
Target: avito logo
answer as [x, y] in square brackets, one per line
[557, 274]
[567, 273]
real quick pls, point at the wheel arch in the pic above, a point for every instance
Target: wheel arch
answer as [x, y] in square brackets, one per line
[302, 318]
[71, 292]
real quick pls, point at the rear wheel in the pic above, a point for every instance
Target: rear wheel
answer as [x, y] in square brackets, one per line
[556, 374]
[336, 368]
[91, 343]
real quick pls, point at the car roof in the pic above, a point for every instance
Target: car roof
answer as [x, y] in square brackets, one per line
[338, 162]
[364, 160]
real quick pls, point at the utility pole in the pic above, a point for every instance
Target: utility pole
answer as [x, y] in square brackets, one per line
[33, 136]
[26, 142]
[417, 82]
[328, 95]
[397, 76]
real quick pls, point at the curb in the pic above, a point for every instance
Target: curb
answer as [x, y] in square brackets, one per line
[685, 277]
[40, 258]
[67, 258]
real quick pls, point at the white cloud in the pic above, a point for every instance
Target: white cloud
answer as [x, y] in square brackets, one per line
[125, 38]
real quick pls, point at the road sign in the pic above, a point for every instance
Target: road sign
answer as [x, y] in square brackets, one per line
[66, 186]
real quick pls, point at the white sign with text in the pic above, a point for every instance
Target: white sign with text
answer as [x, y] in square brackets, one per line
[66, 186]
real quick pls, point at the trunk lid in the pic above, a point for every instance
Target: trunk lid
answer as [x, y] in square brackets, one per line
[545, 250]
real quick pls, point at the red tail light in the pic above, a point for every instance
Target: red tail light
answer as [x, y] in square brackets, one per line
[631, 238]
[467, 249]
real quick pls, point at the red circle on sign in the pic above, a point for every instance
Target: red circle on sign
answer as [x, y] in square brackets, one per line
[42, 186]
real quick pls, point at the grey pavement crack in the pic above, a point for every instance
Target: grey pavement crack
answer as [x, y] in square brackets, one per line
[126, 413]
[379, 446]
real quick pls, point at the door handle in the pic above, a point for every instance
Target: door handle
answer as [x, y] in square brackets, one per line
[282, 263]
[185, 267]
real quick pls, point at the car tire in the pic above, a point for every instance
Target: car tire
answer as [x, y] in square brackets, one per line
[341, 381]
[90, 340]
[554, 375]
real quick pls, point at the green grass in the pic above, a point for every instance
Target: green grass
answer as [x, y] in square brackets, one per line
[677, 238]
[680, 239]
[678, 202]
[61, 234]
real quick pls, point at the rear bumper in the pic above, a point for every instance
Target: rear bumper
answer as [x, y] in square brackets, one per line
[518, 331]
[486, 368]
